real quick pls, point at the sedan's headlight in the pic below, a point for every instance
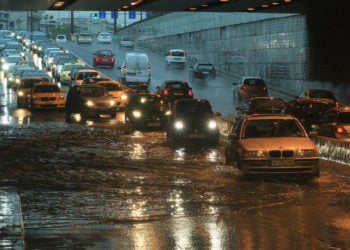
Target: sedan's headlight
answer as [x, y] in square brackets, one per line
[212, 124]
[112, 103]
[20, 93]
[5, 67]
[124, 97]
[90, 103]
[254, 154]
[136, 113]
[306, 153]
[179, 125]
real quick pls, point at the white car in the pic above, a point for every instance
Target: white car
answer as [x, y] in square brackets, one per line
[104, 37]
[176, 57]
[61, 38]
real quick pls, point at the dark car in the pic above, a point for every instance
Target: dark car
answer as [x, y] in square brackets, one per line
[192, 119]
[249, 87]
[336, 123]
[175, 89]
[89, 100]
[103, 57]
[264, 105]
[146, 110]
[309, 110]
[318, 94]
[202, 71]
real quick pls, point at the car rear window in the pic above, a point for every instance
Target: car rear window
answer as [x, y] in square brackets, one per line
[105, 53]
[177, 53]
[205, 66]
[137, 62]
[112, 87]
[177, 86]
[83, 75]
[254, 81]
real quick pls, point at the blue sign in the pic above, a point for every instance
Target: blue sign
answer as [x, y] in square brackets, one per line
[132, 14]
[114, 14]
[102, 14]
[148, 14]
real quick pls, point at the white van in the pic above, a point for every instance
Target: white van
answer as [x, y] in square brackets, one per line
[135, 69]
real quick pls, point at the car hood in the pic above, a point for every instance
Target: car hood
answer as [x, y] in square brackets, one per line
[274, 143]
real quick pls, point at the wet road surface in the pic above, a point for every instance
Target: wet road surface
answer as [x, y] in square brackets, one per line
[102, 185]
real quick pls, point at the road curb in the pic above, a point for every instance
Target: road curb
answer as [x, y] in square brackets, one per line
[11, 221]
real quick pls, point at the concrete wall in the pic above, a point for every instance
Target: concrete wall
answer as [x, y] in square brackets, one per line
[274, 46]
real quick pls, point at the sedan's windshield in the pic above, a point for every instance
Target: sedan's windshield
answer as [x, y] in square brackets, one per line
[272, 128]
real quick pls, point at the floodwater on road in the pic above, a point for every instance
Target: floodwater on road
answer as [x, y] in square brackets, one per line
[103, 185]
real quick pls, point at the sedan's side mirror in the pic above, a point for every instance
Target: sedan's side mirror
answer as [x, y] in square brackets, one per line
[232, 136]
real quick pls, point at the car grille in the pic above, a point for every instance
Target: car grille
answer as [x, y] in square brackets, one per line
[103, 105]
[46, 99]
[281, 153]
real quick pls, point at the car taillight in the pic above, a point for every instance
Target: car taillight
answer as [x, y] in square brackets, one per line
[171, 53]
[125, 68]
[340, 130]
[166, 92]
[149, 69]
[243, 87]
[337, 104]
[310, 106]
[190, 93]
[184, 54]
[264, 88]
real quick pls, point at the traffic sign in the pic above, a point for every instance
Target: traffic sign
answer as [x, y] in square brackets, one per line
[114, 14]
[102, 14]
[132, 14]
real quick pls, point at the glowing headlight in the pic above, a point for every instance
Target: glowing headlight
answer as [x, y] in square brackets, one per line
[20, 93]
[90, 104]
[17, 81]
[5, 67]
[124, 97]
[306, 153]
[136, 113]
[212, 124]
[179, 125]
[3, 60]
[254, 154]
[112, 103]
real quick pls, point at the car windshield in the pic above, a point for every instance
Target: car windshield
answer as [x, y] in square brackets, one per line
[194, 108]
[272, 128]
[29, 83]
[343, 117]
[93, 92]
[46, 89]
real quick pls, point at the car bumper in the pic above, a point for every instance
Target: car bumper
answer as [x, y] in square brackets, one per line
[287, 166]
[99, 111]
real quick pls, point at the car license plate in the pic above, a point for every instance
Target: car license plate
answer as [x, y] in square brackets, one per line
[196, 136]
[178, 94]
[282, 163]
[153, 124]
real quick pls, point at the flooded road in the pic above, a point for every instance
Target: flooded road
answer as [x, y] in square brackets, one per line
[103, 185]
